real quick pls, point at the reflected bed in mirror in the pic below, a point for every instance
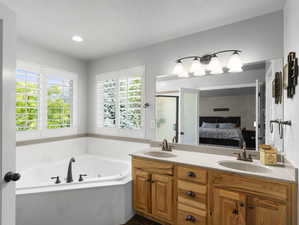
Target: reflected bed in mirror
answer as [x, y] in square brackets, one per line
[224, 110]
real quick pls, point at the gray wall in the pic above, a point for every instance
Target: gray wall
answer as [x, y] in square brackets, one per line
[29, 52]
[291, 18]
[260, 38]
[239, 105]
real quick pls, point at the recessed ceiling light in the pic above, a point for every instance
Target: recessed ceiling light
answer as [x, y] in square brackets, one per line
[77, 38]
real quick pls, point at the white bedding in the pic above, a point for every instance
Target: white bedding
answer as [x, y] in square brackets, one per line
[221, 133]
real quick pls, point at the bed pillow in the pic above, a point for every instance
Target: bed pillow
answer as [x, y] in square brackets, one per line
[209, 125]
[227, 125]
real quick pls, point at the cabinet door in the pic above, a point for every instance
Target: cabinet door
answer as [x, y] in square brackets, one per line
[229, 207]
[265, 212]
[162, 202]
[142, 188]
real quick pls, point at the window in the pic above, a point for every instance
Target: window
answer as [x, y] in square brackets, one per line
[27, 99]
[60, 100]
[130, 99]
[45, 99]
[107, 99]
[120, 99]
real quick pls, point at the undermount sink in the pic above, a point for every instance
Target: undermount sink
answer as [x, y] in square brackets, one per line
[244, 166]
[160, 154]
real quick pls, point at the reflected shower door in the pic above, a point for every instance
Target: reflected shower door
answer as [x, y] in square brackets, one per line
[166, 117]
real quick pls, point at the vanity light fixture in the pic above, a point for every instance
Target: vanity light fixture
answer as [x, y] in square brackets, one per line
[209, 64]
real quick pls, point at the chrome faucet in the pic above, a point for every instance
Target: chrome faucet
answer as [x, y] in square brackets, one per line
[243, 156]
[69, 178]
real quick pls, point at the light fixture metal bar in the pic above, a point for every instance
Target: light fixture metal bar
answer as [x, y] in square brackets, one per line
[208, 56]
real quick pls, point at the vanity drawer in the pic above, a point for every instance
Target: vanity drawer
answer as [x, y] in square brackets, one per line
[191, 194]
[187, 216]
[192, 174]
[153, 166]
[257, 186]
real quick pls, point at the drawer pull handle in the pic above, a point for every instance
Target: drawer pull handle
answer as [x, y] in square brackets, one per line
[191, 174]
[190, 194]
[235, 212]
[190, 218]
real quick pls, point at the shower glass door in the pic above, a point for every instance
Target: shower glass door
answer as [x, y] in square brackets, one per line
[166, 117]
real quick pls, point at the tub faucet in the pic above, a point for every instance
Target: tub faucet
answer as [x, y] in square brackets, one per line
[69, 178]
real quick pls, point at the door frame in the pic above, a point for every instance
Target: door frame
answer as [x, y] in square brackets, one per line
[181, 103]
[7, 112]
[177, 114]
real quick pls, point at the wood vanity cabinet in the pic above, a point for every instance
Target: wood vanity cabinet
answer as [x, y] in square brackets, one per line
[179, 194]
[261, 211]
[245, 200]
[229, 207]
[153, 189]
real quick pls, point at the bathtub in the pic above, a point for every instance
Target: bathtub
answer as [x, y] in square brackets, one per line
[103, 198]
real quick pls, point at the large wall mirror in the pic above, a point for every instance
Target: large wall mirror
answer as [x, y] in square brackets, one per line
[230, 109]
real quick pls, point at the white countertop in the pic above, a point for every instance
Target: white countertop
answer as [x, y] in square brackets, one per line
[204, 160]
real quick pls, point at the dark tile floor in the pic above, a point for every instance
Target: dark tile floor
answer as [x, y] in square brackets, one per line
[139, 220]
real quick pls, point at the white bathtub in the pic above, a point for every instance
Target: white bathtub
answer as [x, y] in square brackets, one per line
[103, 198]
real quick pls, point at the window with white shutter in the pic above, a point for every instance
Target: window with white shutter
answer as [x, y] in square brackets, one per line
[120, 98]
[130, 102]
[27, 99]
[46, 101]
[59, 102]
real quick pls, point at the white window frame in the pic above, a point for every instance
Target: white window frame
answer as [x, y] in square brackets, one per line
[116, 131]
[43, 131]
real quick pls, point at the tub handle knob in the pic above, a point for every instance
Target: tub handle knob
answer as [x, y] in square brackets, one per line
[81, 177]
[57, 180]
[10, 176]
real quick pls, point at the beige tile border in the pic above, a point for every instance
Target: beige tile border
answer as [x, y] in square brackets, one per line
[101, 136]
[51, 139]
[119, 138]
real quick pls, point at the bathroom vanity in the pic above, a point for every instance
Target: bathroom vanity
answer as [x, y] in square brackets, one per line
[196, 188]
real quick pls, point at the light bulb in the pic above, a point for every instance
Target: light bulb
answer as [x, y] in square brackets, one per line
[77, 38]
[197, 68]
[179, 70]
[235, 64]
[215, 66]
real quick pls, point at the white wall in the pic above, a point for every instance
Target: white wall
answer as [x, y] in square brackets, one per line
[291, 38]
[242, 105]
[273, 111]
[29, 52]
[260, 39]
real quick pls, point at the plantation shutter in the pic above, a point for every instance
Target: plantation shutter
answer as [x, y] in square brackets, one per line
[106, 98]
[28, 97]
[59, 100]
[119, 99]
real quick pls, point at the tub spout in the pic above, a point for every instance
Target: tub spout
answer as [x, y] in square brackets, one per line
[69, 178]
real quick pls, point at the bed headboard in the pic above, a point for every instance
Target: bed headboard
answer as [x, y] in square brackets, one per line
[219, 119]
